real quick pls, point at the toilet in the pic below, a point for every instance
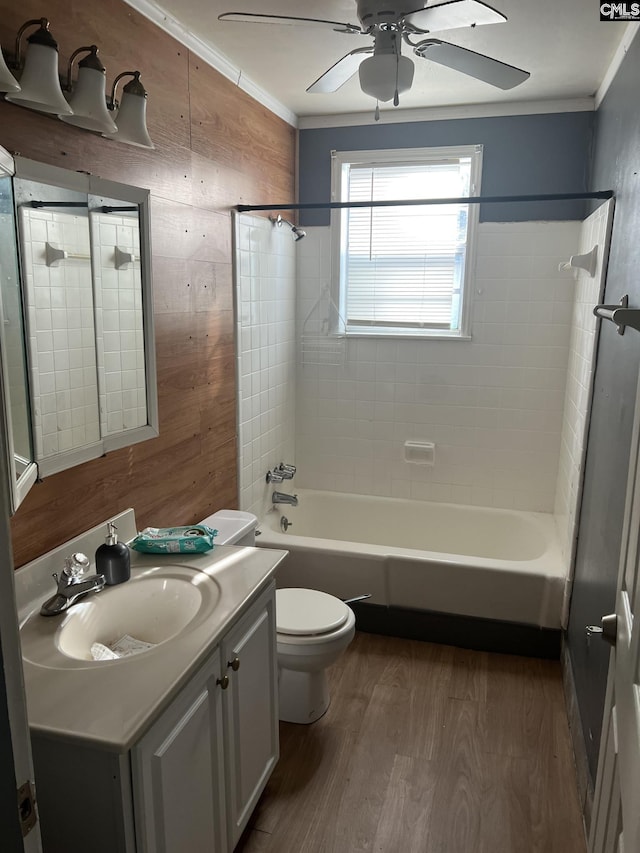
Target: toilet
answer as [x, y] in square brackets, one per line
[313, 630]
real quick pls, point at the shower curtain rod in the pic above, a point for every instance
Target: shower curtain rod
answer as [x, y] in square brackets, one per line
[478, 199]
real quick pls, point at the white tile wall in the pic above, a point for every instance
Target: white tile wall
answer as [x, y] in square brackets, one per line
[265, 335]
[119, 323]
[493, 405]
[582, 352]
[62, 345]
[13, 337]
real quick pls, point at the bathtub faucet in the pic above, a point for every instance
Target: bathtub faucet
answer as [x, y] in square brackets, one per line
[281, 472]
[282, 498]
[287, 471]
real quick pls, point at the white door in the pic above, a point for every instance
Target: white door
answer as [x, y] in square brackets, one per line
[615, 826]
[17, 813]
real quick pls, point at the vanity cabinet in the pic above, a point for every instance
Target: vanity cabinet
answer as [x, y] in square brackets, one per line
[250, 712]
[192, 780]
[199, 770]
[178, 773]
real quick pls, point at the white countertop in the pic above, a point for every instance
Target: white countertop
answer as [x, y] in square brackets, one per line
[111, 703]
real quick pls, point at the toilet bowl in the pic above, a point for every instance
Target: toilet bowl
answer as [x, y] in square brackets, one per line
[313, 630]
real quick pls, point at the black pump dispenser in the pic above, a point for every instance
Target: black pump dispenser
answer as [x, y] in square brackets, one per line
[113, 559]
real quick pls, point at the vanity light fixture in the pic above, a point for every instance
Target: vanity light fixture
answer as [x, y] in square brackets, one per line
[87, 97]
[8, 82]
[131, 113]
[39, 82]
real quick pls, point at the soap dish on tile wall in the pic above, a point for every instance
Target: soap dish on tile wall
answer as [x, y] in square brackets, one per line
[420, 452]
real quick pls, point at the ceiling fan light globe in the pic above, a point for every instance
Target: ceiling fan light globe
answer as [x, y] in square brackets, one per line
[382, 75]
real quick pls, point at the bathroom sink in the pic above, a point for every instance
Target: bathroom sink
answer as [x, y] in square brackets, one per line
[155, 606]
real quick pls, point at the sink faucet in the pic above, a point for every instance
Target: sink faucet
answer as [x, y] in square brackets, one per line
[282, 498]
[72, 584]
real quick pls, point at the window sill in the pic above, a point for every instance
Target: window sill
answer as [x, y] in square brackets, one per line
[408, 336]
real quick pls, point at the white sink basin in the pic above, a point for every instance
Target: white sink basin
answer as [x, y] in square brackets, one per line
[156, 605]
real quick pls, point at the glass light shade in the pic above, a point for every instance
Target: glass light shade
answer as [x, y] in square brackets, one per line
[384, 74]
[131, 121]
[39, 83]
[8, 82]
[88, 101]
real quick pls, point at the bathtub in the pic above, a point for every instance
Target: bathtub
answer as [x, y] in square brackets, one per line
[489, 564]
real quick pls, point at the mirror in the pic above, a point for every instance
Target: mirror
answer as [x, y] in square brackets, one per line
[13, 376]
[84, 253]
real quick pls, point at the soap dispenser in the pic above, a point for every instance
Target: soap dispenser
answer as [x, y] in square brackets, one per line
[113, 559]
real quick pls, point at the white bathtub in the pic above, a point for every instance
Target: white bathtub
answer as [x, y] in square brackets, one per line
[494, 564]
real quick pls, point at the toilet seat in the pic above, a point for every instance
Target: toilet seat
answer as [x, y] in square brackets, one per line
[308, 613]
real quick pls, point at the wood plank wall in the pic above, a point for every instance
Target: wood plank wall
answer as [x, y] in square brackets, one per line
[215, 147]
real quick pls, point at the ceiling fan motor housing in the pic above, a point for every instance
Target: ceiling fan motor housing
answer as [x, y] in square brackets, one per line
[373, 13]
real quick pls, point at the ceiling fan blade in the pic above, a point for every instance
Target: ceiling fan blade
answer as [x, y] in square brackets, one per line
[474, 64]
[339, 73]
[453, 14]
[288, 21]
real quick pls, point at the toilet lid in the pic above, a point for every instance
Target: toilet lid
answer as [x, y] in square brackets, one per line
[308, 611]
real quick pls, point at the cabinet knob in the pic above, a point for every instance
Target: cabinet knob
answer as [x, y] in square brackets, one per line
[234, 664]
[223, 682]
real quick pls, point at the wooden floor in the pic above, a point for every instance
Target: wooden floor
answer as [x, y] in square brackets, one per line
[426, 749]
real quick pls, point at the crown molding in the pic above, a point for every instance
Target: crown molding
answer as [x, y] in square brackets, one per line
[631, 31]
[212, 56]
[395, 116]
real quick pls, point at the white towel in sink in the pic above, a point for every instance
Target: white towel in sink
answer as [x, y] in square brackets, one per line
[122, 648]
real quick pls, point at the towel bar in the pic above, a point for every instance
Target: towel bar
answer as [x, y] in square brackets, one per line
[620, 314]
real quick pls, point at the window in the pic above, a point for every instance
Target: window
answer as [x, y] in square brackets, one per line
[401, 270]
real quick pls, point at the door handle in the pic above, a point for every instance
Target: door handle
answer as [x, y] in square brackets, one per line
[608, 629]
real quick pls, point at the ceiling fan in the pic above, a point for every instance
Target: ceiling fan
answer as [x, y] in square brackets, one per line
[383, 71]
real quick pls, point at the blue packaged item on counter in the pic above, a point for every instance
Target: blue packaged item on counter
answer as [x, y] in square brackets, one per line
[195, 539]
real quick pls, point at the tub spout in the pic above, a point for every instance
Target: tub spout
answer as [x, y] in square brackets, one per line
[282, 498]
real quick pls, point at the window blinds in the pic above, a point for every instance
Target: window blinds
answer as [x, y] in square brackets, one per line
[403, 267]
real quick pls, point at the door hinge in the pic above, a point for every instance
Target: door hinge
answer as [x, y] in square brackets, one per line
[27, 808]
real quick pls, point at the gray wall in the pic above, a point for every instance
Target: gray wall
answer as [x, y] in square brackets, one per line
[616, 166]
[524, 155]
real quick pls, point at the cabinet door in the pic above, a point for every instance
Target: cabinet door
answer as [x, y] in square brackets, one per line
[250, 708]
[178, 773]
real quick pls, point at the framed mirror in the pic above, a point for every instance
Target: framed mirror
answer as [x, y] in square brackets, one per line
[88, 382]
[13, 360]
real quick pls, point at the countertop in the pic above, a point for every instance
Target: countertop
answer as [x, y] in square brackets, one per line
[110, 704]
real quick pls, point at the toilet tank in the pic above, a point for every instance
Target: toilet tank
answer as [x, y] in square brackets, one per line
[234, 527]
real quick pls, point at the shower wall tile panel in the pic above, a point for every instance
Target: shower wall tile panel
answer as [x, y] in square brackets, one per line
[119, 324]
[492, 405]
[60, 325]
[577, 404]
[13, 339]
[266, 352]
